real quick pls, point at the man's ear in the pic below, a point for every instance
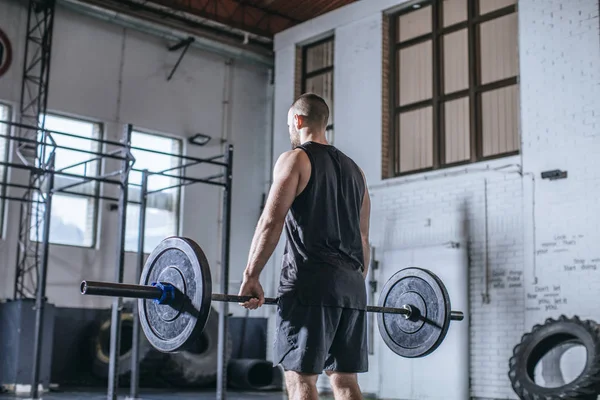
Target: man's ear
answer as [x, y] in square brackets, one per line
[298, 121]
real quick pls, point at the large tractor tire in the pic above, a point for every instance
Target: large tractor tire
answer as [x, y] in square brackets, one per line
[542, 339]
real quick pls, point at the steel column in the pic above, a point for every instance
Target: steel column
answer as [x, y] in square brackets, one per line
[115, 326]
[222, 362]
[41, 287]
[34, 98]
[135, 344]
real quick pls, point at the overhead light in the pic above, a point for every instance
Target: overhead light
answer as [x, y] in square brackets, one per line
[416, 6]
[199, 139]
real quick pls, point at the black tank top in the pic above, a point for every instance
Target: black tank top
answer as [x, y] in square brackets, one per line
[323, 257]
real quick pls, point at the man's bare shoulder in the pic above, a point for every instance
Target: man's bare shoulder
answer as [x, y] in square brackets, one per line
[293, 159]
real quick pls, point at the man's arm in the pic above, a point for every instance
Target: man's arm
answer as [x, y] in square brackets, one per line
[365, 217]
[286, 177]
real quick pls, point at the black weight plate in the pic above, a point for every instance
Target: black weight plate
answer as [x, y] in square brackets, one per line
[425, 330]
[182, 263]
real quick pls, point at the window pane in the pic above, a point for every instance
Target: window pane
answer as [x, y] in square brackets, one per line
[457, 130]
[159, 225]
[500, 120]
[455, 11]
[65, 158]
[414, 24]
[319, 56]
[498, 39]
[323, 86]
[154, 162]
[415, 70]
[4, 130]
[486, 6]
[162, 210]
[72, 220]
[456, 61]
[416, 139]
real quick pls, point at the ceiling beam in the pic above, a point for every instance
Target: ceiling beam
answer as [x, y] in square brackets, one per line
[193, 7]
[266, 10]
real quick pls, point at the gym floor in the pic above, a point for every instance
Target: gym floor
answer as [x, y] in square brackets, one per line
[158, 394]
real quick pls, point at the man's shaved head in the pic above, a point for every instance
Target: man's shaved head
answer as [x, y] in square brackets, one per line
[313, 109]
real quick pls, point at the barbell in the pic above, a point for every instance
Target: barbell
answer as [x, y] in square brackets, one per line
[175, 293]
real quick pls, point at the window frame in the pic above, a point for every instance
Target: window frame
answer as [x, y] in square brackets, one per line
[179, 197]
[5, 159]
[307, 75]
[95, 197]
[472, 93]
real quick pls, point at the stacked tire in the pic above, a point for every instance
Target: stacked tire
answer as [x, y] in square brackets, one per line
[150, 360]
[543, 339]
[197, 367]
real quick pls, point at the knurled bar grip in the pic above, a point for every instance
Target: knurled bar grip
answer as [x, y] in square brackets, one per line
[120, 290]
[156, 293]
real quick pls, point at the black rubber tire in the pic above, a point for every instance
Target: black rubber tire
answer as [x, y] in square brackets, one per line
[543, 338]
[250, 374]
[198, 367]
[149, 359]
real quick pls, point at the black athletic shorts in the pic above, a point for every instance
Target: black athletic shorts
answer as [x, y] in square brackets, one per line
[310, 339]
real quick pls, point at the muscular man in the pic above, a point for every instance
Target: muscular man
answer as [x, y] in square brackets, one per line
[320, 196]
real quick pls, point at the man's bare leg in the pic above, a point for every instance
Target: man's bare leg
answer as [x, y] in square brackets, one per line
[301, 386]
[345, 386]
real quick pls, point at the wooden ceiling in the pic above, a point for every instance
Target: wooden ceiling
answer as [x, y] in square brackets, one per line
[260, 17]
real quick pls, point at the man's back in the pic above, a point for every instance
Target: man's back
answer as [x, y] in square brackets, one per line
[323, 260]
[320, 198]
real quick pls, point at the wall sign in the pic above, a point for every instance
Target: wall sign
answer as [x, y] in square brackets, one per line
[5, 53]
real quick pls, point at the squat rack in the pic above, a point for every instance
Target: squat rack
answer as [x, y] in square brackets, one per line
[44, 171]
[224, 180]
[33, 105]
[123, 153]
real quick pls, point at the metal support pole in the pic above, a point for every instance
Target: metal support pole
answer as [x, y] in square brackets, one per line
[41, 287]
[115, 325]
[135, 344]
[222, 362]
[186, 42]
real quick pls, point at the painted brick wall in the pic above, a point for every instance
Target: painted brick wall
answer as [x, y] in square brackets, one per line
[540, 234]
[560, 70]
[454, 208]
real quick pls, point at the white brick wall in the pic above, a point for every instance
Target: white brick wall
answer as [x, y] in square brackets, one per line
[560, 75]
[559, 51]
[453, 208]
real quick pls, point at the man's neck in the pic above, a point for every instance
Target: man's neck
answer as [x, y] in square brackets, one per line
[314, 137]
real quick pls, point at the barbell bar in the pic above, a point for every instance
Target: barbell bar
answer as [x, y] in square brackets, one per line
[162, 295]
[175, 293]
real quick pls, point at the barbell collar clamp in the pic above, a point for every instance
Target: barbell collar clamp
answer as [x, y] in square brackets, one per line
[168, 293]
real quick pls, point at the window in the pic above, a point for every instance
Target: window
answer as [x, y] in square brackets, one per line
[317, 75]
[5, 116]
[74, 213]
[453, 91]
[162, 207]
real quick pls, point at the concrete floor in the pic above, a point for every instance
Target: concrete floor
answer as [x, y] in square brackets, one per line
[155, 395]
